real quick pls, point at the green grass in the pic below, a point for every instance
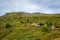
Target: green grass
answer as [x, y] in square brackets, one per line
[19, 26]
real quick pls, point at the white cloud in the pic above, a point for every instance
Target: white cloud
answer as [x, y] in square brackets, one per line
[45, 6]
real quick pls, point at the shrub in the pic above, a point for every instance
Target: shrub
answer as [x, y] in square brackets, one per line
[45, 30]
[8, 25]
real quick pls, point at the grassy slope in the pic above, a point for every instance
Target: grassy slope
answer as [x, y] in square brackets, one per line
[22, 29]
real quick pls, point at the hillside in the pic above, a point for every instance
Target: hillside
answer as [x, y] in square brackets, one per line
[29, 26]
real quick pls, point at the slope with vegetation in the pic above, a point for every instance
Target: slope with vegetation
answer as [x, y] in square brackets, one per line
[17, 26]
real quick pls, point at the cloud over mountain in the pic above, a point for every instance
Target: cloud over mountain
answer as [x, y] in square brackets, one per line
[45, 6]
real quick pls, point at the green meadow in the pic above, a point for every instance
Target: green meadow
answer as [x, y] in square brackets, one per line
[18, 26]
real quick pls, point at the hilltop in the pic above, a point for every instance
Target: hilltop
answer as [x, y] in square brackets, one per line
[17, 26]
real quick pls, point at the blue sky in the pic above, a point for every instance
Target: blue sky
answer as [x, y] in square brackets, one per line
[44, 6]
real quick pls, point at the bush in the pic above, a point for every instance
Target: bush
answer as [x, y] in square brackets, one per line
[49, 23]
[45, 30]
[8, 25]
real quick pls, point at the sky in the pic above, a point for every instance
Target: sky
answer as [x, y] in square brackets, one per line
[44, 6]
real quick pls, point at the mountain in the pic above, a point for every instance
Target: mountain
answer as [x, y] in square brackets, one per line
[17, 26]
